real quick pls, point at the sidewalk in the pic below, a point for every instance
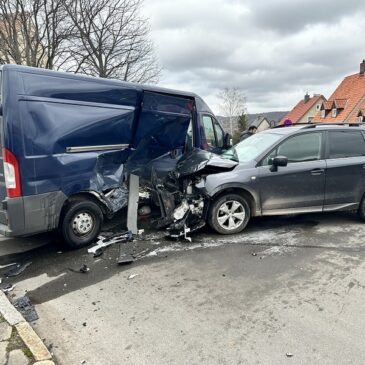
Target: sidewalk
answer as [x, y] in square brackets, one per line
[19, 344]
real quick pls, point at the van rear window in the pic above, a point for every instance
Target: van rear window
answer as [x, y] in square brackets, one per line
[167, 103]
[78, 89]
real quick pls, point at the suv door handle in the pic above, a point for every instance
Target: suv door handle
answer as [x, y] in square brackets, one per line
[317, 171]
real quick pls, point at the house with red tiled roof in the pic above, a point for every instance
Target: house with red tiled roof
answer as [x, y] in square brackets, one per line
[347, 103]
[305, 110]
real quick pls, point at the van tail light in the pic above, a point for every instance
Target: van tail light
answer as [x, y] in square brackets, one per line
[11, 174]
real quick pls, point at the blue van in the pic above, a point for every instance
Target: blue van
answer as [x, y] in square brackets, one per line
[69, 141]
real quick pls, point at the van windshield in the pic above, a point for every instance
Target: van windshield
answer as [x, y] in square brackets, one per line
[251, 147]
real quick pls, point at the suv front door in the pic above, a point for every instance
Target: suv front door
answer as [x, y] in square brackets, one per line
[299, 186]
[345, 182]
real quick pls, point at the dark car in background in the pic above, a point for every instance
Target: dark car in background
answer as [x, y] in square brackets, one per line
[300, 169]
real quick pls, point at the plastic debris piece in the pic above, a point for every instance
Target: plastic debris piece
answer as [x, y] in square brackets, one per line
[125, 253]
[6, 287]
[132, 276]
[254, 254]
[289, 354]
[26, 308]
[104, 242]
[84, 269]
[16, 269]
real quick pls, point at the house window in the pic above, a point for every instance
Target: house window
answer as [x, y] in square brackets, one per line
[310, 119]
[334, 113]
[323, 113]
[361, 119]
[318, 106]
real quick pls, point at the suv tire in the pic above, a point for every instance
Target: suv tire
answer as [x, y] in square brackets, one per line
[81, 223]
[229, 214]
[361, 210]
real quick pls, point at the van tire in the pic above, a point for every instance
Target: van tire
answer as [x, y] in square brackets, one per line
[237, 214]
[81, 223]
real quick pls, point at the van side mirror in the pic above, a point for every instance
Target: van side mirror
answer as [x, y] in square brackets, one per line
[277, 161]
[228, 142]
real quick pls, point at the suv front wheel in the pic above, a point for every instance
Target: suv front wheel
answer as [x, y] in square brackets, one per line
[361, 211]
[229, 214]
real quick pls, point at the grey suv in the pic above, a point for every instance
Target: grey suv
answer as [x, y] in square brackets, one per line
[302, 169]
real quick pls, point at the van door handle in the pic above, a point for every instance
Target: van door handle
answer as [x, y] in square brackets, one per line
[317, 172]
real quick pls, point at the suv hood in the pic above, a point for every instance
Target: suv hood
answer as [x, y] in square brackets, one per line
[202, 162]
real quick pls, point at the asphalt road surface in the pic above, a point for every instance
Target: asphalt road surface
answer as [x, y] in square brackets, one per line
[288, 290]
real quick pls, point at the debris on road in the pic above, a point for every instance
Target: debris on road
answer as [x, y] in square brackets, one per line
[84, 269]
[104, 242]
[6, 287]
[132, 276]
[26, 308]
[17, 269]
[289, 354]
[126, 253]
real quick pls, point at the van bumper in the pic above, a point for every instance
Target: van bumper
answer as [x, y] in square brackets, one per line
[31, 214]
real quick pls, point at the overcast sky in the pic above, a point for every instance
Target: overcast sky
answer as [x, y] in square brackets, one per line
[274, 50]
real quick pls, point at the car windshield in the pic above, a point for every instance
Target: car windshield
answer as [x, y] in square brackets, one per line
[251, 147]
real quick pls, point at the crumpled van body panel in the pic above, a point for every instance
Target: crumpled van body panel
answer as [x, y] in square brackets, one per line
[72, 134]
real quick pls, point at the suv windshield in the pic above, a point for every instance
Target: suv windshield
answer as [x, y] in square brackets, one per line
[251, 147]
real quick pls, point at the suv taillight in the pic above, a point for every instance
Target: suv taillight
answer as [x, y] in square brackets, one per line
[11, 174]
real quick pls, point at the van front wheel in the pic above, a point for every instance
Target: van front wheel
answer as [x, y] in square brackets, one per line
[81, 223]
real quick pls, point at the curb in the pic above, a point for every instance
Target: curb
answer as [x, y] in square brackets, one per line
[25, 331]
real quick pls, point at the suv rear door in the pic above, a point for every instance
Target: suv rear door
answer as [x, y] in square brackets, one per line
[345, 182]
[299, 186]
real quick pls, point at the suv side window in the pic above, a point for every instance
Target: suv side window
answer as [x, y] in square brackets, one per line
[301, 148]
[346, 144]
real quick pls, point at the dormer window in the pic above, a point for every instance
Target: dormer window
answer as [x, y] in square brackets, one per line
[334, 112]
[323, 113]
[361, 119]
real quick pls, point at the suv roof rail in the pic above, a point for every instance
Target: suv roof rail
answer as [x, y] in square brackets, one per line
[314, 125]
[292, 125]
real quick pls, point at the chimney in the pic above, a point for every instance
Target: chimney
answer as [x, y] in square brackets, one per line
[362, 67]
[306, 98]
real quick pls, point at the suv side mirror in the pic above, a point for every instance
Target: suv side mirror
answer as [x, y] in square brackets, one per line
[278, 161]
[228, 143]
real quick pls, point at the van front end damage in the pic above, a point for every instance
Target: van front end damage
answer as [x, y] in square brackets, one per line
[181, 197]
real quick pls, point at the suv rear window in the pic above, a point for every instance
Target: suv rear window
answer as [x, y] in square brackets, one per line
[346, 144]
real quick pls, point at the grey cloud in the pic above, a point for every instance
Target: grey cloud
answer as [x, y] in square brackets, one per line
[211, 44]
[292, 15]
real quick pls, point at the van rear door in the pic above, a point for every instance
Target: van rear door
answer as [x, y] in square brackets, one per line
[3, 219]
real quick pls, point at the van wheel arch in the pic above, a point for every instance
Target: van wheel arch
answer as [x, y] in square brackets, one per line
[84, 197]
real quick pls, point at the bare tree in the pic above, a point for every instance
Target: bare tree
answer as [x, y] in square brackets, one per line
[33, 32]
[111, 40]
[233, 104]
